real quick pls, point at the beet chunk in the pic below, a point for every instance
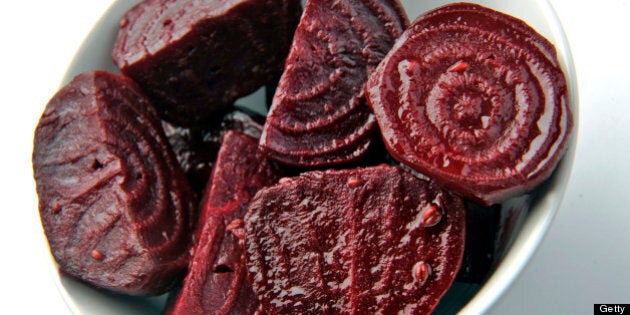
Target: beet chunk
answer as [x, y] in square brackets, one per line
[216, 282]
[474, 99]
[318, 115]
[115, 206]
[355, 241]
[196, 148]
[195, 58]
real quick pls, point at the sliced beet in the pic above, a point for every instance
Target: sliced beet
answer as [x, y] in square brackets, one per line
[355, 241]
[195, 58]
[196, 148]
[114, 203]
[216, 282]
[474, 99]
[318, 115]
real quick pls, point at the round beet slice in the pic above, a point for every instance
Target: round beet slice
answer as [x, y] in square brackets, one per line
[474, 99]
[216, 280]
[196, 148]
[114, 203]
[195, 58]
[318, 115]
[357, 241]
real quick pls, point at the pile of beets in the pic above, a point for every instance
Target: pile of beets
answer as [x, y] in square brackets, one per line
[363, 190]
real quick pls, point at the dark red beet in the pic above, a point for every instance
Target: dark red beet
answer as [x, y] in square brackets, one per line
[115, 206]
[195, 58]
[474, 99]
[318, 116]
[196, 149]
[356, 241]
[216, 282]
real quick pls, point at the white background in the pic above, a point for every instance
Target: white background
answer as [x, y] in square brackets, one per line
[584, 259]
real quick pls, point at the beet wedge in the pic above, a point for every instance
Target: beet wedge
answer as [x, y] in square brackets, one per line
[195, 58]
[114, 203]
[318, 115]
[474, 99]
[355, 241]
[196, 148]
[216, 282]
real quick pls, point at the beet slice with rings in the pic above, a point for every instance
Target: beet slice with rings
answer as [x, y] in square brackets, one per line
[474, 99]
[374, 240]
[114, 203]
[195, 58]
[196, 148]
[216, 282]
[318, 115]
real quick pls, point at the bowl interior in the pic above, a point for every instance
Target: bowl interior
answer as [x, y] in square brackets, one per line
[529, 216]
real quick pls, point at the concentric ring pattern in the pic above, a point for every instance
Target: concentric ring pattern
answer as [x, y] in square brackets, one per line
[319, 116]
[474, 99]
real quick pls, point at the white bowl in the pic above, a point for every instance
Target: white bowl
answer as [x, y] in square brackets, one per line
[531, 215]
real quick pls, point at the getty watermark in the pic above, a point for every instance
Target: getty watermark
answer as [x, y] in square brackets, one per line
[611, 309]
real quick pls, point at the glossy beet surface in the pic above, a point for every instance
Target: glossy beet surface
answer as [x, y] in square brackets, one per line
[195, 58]
[356, 241]
[318, 115]
[474, 99]
[215, 283]
[196, 149]
[115, 206]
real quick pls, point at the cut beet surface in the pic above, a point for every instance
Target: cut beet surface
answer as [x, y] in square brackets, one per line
[115, 206]
[356, 241]
[195, 58]
[216, 280]
[474, 99]
[196, 149]
[318, 115]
